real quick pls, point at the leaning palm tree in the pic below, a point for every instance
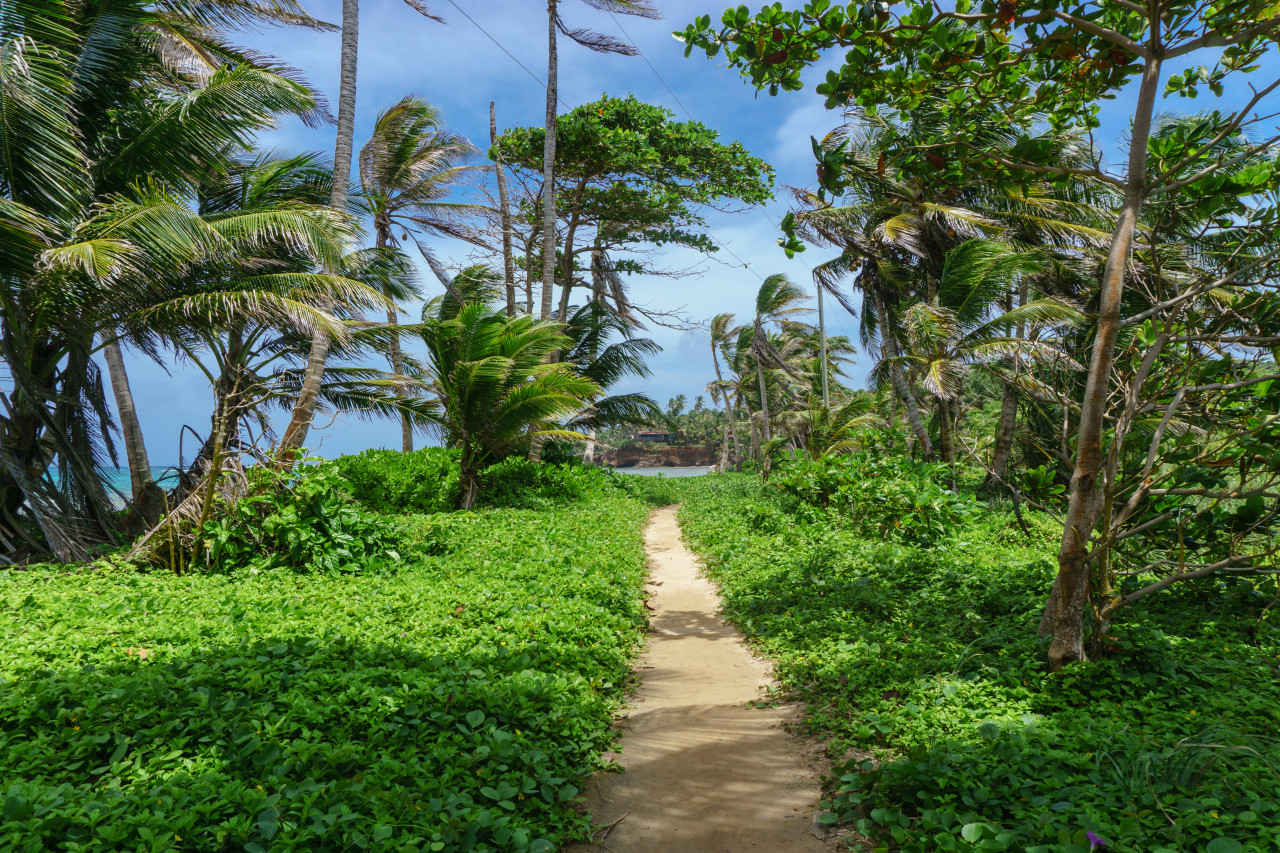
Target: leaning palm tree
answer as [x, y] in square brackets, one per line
[777, 301]
[721, 326]
[494, 382]
[408, 169]
[158, 97]
[964, 325]
[304, 409]
[601, 44]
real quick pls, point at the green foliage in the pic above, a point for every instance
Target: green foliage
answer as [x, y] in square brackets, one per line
[388, 481]
[453, 705]
[496, 379]
[304, 521]
[922, 669]
[875, 495]
[626, 167]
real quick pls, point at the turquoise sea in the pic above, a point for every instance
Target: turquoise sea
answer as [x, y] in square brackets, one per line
[118, 480]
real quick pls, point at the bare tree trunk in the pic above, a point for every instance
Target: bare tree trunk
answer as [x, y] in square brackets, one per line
[589, 455]
[728, 406]
[755, 435]
[508, 261]
[528, 282]
[135, 449]
[944, 432]
[889, 351]
[1004, 434]
[548, 170]
[383, 230]
[764, 402]
[893, 417]
[1008, 412]
[304, 409]
[1086, 491]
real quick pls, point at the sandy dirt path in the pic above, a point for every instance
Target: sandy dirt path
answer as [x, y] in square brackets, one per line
[706, 772]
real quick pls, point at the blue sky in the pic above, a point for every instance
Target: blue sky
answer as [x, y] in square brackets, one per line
[459, 69]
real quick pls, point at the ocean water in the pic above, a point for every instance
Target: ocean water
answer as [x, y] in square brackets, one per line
[653, 472]
[118, 481]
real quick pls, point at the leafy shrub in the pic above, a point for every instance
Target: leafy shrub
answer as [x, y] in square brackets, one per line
[305, 522]
[388, 481]
[454, 705]
[876, 494]
[516, 482]
[922, 670]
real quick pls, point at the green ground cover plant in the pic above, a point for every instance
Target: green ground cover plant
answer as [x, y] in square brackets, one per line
[451, 701]
[921, 666]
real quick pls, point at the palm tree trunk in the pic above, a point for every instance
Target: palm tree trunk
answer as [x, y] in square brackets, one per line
[893, 416]
[889, 351]
[764, 403]
[1087, 489]
[945, 437]
[1008, 411]
[394, 353]
[548, 170]
[508, 262]
[1004, 435]
[755, 435]
[135, 450]
[733, 417]
[304, 409]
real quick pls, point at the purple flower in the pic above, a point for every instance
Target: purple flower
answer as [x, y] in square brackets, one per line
[1095, 840]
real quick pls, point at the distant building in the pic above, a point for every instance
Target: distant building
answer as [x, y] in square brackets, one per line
[651, 436]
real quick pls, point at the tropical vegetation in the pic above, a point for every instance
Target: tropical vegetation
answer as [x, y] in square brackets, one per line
[1025, 580]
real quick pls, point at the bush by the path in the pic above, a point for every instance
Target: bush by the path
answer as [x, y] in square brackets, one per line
[450, 703]
[928, 658]
[389, 481]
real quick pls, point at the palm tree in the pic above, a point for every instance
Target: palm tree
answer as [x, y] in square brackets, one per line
[721, 325]
[158, 98]
[958, 329]
[602, 44]
[295, 434]
[776, 301]
[408, 168]
[897, 223]
[492, 375]
[605, 350]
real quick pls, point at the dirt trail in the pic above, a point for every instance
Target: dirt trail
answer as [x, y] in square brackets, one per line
[705, 773]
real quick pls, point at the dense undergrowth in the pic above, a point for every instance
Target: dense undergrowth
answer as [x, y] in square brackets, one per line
[916, 651]
[448, 699]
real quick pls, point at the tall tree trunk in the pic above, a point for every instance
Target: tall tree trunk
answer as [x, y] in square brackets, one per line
[889, 352]
[944, 432]
[1008, 412]
[528, 280]
[549, 170]
[728, 405]
[382, 227]
[755, 435]
[304, 409]
[1086, 490]
[135, 450]
[1004, 435]
[508, 261]
[764, 402]
[893, 417]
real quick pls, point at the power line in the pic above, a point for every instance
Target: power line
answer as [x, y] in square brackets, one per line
[559, 100]
[689, 116]
[536, 78]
